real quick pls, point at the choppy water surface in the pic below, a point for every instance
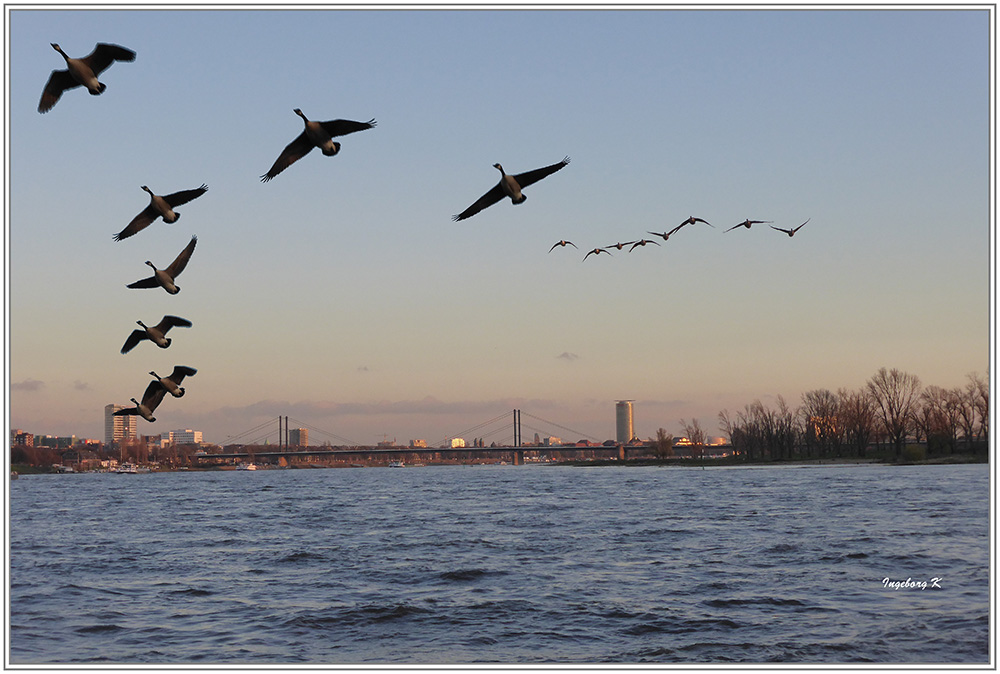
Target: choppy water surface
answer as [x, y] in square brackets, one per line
[540, 564]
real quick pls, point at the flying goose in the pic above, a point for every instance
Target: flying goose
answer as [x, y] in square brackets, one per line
[747, 223]
[596, 251]
[82, 72]
[159, 206]
[641, 242]
[156, 334]
[150, 400]
[691, 220]
[562, 243]
[509, 186]
[620, 245]
[164, 278]
[172, 382]
[316, 134]
[790, 232]
[666, 235]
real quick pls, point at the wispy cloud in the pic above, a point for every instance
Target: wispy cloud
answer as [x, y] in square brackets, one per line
[28, 386]
[81, 385]
[568, 356]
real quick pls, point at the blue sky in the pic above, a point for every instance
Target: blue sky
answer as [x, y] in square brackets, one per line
[342, 294]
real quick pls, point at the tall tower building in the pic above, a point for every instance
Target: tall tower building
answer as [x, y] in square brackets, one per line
[118, 428]
[623, 421]
[298, 437]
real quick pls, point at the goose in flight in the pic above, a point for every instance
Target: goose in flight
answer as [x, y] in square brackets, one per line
[790, 232]
[159, 207]
[172, 382]
[641, 242]
[156, 334]
[165, 278]
[747, 223]
[691, 221]
[150, 400]
[509, 186]
[596, 251]
[82, 71]
[666, 235]
[316, 134]
[620, 245]
[562, 243]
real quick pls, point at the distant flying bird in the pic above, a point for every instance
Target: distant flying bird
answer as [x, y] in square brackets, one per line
[641, 242]
[156, 334]
[620, 245]
[665, 235]
[82, 72]
[562, 243]
[172, 382]
[159, 207]
[509, 186]
[790, 232]
[150, 400]
[165, 278]
[596, 251]
[747, 223]
[691, 221]
[315, 134]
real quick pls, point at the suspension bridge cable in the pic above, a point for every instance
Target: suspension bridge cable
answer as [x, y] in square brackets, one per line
[552, 423]
[474, 428]
[332, 435]
[235, 439]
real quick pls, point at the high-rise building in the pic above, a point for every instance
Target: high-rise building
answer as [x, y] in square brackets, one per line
[623, 421]
[298, 437]
[118, 428]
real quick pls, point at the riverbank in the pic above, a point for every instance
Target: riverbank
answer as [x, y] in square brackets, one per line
[737, 461]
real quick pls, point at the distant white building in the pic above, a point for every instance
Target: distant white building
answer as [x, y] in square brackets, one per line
[457, 443]
[184, 437]
[418, 444]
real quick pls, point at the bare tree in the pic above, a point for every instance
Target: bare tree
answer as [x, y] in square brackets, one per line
[857, 419]
[664, 444]
[696, 435]
[978, 391]
[821, 426]
[896, 395]
[938, 416]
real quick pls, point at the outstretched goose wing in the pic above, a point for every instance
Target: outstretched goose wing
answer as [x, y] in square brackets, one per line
[177, 266]
[293, 152]
[529, 177]
[105, 54]
[488, 199]
[153, 395]
[139, 223]
[168, 322]
[184, 196]
[133, 339]
[59, 81]
[144, 283]
[181, 371]
[342, 127]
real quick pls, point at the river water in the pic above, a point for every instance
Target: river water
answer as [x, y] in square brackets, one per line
[502, 564]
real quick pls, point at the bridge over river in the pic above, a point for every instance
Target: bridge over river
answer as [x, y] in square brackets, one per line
[384, 456]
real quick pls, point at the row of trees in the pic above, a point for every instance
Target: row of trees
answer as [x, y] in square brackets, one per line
[891, 407]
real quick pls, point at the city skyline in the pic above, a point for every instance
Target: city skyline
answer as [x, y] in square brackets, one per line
[367, 311]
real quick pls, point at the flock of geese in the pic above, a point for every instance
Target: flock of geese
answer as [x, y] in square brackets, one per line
[632, 245]
[85, 71]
